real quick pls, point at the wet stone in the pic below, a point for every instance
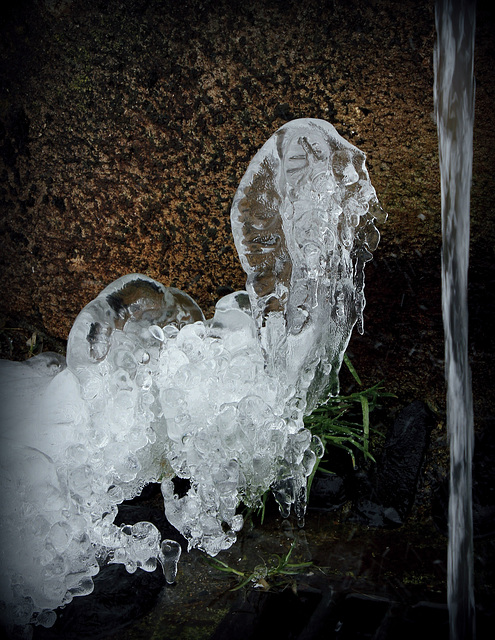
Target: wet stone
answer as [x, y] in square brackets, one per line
[328, 492]
[386, 498]
[112, 605]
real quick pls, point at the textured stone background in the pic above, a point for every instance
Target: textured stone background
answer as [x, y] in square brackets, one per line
[126, 125]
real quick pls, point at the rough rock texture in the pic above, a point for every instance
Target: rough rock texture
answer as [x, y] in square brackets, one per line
[126, 127]
[403, 456]
[387, 497]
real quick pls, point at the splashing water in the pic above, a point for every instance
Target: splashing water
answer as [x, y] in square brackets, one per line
[454, 102]
[150, 390]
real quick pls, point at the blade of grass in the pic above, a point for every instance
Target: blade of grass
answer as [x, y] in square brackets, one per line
[353, 371]
[366, 422]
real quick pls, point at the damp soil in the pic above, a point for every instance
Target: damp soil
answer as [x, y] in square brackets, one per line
[125, 128]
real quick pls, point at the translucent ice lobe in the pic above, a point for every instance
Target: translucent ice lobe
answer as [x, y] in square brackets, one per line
[134, 304]
[22, 386]
[41, 537]
[58, 498]
[225, 423]
[114, 349]
[303, 224]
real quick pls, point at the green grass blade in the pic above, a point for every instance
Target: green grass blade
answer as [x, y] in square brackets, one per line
[353, 371]
[243, 583]
[366, 422]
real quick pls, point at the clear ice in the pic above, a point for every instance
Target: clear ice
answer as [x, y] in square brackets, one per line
[150, 390]
[303, 220]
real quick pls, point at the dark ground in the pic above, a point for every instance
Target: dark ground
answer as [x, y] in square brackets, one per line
[125, 128]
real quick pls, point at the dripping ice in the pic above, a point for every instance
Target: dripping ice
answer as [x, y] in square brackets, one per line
[150, 390]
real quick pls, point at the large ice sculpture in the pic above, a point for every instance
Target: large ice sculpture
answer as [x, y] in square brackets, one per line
[303, 220]
[151, 390]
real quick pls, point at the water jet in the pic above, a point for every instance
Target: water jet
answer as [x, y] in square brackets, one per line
[454, 104]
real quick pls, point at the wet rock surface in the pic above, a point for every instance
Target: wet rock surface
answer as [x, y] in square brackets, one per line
[382, 494]
[112, 605]
[318, 615]
[387, 496]
[328, 492]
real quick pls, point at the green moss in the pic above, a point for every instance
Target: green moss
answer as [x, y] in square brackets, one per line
[419, 579]
[81, 82]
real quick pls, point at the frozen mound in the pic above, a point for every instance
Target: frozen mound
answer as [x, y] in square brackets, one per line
[78, 440]
[231, 430]
[150, 390]
[303, 220]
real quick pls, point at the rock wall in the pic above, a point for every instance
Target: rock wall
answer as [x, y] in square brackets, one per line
[125, 127]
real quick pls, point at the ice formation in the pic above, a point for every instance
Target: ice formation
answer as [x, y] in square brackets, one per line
[150, 390]
[303, 220]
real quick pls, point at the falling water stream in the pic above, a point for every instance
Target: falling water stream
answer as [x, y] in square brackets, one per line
[454, 104]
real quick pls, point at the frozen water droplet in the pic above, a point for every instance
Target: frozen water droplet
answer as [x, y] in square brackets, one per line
[237, 522]
[157, 332]
[170, 331]
[46, 618]
[169, 557]
[142, 356]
